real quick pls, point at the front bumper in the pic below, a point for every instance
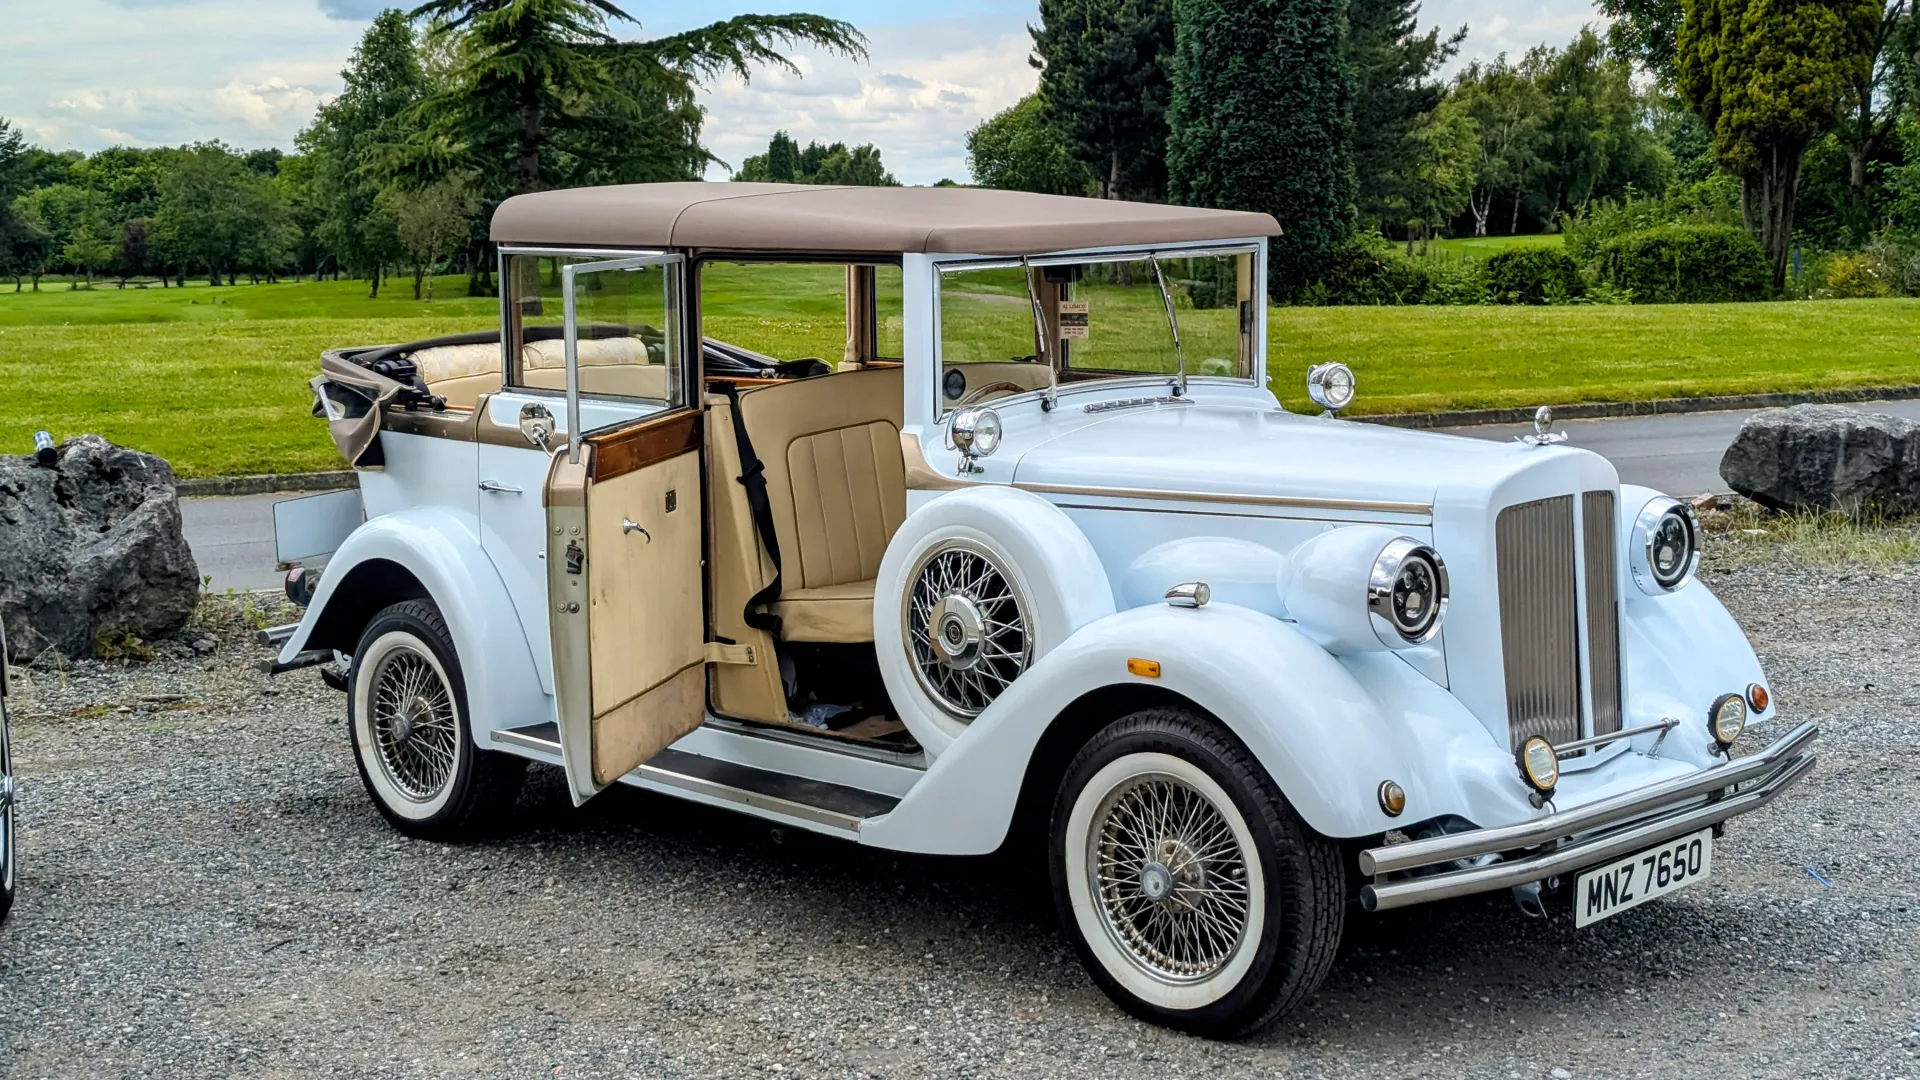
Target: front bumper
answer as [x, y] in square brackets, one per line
[1422, 870]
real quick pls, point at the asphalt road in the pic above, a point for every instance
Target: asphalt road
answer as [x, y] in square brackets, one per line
[232, 538]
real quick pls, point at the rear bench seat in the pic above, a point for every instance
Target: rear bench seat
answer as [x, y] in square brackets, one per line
[464, 373]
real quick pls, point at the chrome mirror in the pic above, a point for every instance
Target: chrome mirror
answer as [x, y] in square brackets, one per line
[536, 423]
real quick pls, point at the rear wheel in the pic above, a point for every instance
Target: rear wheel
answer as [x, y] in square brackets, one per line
[1194, 895]
[7, 831]
[407, 712]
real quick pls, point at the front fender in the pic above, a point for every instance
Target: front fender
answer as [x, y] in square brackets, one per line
[1327, 730]
[441, 549]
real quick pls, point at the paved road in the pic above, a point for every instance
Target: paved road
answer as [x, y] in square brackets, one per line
[232, 538]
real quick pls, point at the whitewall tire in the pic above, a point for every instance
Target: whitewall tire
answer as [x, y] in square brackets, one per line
[407, 713]
[976, 587]
[9, 830]
[1194, 895]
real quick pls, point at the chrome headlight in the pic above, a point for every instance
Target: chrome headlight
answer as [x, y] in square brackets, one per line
[1407, 593]
[1665, 548]
[976, 434]
[1330, 385]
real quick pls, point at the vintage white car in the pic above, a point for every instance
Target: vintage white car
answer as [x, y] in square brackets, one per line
[1037, 557]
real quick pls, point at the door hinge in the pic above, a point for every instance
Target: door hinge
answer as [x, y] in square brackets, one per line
[718, 653]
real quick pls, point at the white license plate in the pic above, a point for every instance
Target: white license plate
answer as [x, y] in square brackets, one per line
[1639, 878]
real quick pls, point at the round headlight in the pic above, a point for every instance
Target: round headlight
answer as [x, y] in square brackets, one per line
[1330, 385]
[1727, 719]
[1407, 593]
[1539, 765]
[976, 432]
[1665, 547]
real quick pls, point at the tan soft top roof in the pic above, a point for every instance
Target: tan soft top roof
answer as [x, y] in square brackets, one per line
[872, 220]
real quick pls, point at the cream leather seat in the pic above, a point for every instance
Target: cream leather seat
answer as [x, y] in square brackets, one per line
[620, 366]
[837, 486]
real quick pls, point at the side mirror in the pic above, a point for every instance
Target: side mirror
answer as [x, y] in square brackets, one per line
[536, 423]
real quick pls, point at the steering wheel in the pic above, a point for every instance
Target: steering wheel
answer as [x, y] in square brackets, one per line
[1001, 387]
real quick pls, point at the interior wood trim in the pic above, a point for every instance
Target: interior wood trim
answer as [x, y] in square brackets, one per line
[922, 476]
[620, 452]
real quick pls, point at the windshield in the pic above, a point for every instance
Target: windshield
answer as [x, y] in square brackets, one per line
[1104, 318]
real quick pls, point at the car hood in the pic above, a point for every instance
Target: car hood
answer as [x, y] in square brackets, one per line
[1216, 450]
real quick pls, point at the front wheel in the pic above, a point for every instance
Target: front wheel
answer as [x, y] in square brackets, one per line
[7, 833]
[1194, 895]
[407, 711]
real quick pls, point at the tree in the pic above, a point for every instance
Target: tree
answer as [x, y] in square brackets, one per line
[432, 222]
[1393, 88]
[1876, 101]
[1106, 85]
[1440, 179]
[1645, 32]
[1597, 140]
[216, 213]
[1262, 120]
[92, 243]
[353, 145]
[544, 87]
[1769, 77]
[1507, 110]
[1018, 149]
[15, 241]
[785, 163]
[51, 218]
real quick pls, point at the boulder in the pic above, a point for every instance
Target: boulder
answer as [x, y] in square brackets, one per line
[1826, 457]
[91, 551]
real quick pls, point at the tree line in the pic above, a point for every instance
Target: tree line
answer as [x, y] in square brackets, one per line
[448, 109]
[1331, 115]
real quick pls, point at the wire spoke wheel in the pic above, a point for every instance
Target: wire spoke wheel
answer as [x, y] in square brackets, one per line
[966, 628]
[1169, 877]
[413, 724]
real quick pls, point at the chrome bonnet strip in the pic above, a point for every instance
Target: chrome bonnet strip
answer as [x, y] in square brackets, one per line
[1627, 804]
[1393, 894]
[1163, 495]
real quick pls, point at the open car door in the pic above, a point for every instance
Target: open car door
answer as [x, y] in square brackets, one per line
[624, 532]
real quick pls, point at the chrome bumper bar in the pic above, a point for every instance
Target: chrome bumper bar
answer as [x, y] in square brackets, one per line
[1606, 830]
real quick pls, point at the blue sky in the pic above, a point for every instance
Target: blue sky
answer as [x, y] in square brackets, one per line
[92, 73]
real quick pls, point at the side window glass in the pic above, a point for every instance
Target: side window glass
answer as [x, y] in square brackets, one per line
[627, 319]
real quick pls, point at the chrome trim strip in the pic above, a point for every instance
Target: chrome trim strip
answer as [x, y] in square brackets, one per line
[1621, 807]
[1387, 895]
[785, 807]
[1239, 498]
[520, 737]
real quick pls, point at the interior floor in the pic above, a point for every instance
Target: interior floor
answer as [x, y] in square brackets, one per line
[835, 690]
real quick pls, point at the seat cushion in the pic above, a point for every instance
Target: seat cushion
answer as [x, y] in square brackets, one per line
[831, 613]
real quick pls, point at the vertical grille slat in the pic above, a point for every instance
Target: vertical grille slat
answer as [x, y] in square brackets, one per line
[1603, 610]
[1539, 627]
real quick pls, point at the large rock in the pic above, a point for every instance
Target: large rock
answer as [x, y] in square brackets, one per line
[91, 550]
[1826, 457]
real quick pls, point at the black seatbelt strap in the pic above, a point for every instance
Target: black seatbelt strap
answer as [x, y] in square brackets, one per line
[753, 478]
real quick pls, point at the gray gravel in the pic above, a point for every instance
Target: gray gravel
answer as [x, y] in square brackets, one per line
[207, 891]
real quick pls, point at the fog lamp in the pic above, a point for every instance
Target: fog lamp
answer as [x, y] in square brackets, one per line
[1727, 719]
[1393, 798]
[1757, 697]
[1539, 765]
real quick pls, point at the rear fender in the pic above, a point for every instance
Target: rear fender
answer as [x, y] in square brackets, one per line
[435, 553]
[1327, 730]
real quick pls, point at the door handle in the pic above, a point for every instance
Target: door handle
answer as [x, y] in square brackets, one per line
[631, 526]
[498, 487]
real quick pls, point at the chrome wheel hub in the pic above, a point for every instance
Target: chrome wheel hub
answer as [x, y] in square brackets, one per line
[1169, 877]
[965, 628]
[413, 726]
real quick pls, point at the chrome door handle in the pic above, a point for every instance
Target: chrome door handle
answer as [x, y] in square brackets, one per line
[497, 486]
[629, 525]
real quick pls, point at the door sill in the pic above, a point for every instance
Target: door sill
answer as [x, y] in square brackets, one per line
[772, 794]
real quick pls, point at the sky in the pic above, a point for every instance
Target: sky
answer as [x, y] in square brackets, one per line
[87, 74]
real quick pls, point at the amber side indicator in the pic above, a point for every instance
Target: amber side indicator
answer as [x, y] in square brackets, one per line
[1757, 697]
[1146, 669]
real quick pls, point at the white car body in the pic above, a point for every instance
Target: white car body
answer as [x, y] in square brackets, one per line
[1101, 504]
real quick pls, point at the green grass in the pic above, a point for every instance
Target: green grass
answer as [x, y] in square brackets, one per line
[1481, 247]
[215, 379]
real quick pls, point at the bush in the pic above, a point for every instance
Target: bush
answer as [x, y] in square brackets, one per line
[1858, 274]
[1454, 280]
[1534, 275]
[1713, 201]
[1367, 269]
[1899, 254]
[1686, 264]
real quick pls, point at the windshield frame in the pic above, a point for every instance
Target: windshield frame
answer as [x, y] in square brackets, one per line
[943, 267]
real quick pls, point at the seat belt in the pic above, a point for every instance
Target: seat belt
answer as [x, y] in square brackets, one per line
[753, 478]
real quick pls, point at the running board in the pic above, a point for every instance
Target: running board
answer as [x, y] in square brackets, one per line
[833, 805]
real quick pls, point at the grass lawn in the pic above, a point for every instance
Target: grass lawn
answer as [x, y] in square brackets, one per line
[215, 379]
[1481, 247]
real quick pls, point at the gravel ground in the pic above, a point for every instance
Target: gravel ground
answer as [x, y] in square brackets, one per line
[207, 891]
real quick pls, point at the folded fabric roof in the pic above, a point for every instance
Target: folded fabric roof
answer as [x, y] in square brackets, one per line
[871, 220]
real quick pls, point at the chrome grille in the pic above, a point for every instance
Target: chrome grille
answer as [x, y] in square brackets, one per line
[1539, 629]
[1603, 610]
